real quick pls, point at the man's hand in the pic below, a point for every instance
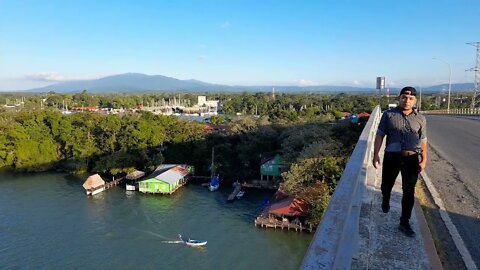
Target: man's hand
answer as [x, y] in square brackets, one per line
[376, 160]
[421, 166]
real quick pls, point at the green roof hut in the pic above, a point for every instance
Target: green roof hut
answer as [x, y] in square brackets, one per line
[273, 166]
[166, 179]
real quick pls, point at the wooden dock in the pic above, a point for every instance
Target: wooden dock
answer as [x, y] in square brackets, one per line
[233, 195]
[261, 184]
[114, 182]
[266, 222]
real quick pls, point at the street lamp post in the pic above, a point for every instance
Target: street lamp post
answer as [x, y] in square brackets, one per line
[449, 81]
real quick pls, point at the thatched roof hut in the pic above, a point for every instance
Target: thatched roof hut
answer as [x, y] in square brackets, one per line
[93, 182]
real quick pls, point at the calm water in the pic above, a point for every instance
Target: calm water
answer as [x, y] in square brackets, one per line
[47, 222]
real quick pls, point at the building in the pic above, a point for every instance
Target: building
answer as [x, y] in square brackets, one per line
[272, 166]
[288, 207]
[212, 106]
[166, 179]
[94, 184]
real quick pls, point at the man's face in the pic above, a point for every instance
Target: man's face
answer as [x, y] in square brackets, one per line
[407, 101]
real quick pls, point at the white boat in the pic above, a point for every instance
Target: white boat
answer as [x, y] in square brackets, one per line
[192, 242]
[195, 243]
[240, 194]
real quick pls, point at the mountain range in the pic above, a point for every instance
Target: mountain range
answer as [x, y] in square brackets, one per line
[137, 82]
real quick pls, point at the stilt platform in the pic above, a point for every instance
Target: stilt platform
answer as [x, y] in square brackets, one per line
[265, 222]
[233, 195]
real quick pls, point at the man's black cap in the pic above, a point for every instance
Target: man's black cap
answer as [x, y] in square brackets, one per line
[408, 90]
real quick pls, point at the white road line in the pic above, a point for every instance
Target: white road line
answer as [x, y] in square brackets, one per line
[467, 258]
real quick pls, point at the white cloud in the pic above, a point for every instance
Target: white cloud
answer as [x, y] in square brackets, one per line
[45, 77]
[55, 77]
[225, 25]
[303, 82]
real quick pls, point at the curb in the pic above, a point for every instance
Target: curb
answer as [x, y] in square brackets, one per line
[428, 244]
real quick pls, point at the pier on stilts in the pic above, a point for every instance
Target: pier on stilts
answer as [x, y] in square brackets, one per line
[114, 182]
[269, 222]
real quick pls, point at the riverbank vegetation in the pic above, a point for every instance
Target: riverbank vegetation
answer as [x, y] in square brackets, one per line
[306, 128]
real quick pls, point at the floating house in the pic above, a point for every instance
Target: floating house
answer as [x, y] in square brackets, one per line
[94, 184]
[166, 179]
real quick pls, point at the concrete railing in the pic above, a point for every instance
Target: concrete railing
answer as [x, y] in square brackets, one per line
[336, 239]
[464, 111]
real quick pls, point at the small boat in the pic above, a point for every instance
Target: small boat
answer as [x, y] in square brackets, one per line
[195, 243]
[192, 242]
[214, 184]
[240, 194]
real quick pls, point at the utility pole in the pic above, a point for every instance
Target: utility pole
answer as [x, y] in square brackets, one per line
[477, 73]
[449, 81]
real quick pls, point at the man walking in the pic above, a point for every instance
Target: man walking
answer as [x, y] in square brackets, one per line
[405, 152]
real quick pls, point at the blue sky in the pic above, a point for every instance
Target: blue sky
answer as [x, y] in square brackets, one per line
[239, 42]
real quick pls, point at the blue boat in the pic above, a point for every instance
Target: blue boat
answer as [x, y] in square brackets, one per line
[214, 184]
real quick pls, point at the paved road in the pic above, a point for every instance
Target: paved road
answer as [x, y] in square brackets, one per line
[454, 168]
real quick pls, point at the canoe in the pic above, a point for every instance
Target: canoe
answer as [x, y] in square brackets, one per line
[195, 243]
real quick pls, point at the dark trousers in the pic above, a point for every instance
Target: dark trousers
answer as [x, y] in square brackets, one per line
[393, 163]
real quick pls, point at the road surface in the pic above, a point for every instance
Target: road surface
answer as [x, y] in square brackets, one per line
[454, 168]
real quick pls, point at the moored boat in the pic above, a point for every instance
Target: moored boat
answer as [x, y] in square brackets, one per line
[214, 184]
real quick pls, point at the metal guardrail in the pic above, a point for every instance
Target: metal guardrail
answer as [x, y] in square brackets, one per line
[464, 111]
[336, 239]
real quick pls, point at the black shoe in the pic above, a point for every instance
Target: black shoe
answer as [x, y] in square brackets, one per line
[385, 205]
[406, 229]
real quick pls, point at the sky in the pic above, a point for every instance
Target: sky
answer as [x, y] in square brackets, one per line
[259, 42]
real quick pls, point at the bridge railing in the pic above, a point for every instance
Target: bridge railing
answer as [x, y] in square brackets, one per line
[336, 239]
[464, 111]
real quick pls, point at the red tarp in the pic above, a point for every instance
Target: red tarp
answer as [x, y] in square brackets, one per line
[289, 207]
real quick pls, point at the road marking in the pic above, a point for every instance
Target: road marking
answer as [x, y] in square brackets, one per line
[467, 258]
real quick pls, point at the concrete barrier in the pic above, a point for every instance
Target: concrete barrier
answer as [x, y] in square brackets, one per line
[336, 239]
[464, 111]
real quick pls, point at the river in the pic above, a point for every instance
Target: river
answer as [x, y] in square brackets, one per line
[47, 222]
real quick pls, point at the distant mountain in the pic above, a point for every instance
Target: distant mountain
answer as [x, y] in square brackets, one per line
[128, 82]
[455, 87]
[137, 82]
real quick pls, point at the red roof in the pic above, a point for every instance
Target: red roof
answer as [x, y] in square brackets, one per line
[211, 127]
[289, 207]
[364, 114]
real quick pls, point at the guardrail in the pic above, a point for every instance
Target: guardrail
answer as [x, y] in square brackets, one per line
[336, 239]
[464, 111]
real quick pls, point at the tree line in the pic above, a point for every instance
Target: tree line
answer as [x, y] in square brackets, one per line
[305, 130]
